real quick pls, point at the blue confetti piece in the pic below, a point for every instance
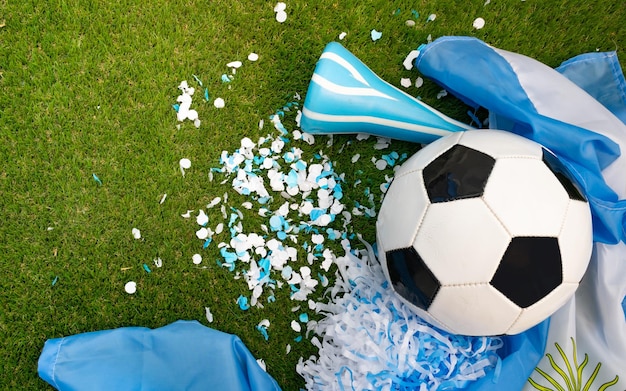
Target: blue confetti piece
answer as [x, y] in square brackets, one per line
[475, 119]
[206, 94]
[416, 14]
[276, 223]
[225, 78]
[316, 213]
[176, 107]
[197, 80]
[304, 317]
[242, 301]
[298, 338]
[271, 298]
[55, 280]
[147, 268]
[263, 332]
[95, 178]
[207, 243]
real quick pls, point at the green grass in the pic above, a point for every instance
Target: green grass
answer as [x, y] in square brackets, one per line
[87, 86]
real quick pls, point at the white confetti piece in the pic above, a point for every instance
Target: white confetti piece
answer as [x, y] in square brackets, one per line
[202, 233]
[187, 214]
[136, 233]
[375, 35]
[381, 164]
[355, 158]
[197, 259]
[409, 59]
[431, 18]
[478, 23]
[342, 35]
[281, 16]
[208, 314]
[295, 326]
[419, 82]
[280, 6]
[130, 287]
[184, 164]
[410, 23]
[253, 57]
[405, 82]
[442, 94]
[202, 218]
[163, 198]
[219, 103]
[234, 64]
[158, 262]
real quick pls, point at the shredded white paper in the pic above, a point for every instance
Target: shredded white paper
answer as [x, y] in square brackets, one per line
[370, 340]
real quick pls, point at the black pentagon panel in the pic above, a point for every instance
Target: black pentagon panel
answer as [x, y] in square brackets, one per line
[529, 270]
[411, 278]
[564, 176]
[460, 172]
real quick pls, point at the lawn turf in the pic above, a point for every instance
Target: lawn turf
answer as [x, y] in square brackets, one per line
[87, 87]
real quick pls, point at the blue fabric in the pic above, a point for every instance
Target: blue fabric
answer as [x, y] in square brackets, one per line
[184, 355]
[475, 72]
[601, 76]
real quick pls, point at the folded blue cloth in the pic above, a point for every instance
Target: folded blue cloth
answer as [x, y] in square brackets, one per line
[184, 355]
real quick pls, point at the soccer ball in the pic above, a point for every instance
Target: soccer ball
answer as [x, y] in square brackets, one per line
[484, 232]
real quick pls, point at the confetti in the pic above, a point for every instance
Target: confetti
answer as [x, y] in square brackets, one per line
[136, 233]
[376, 35]
[208, 314]
[342, 35]
[478, 23]
[281, 15]
[95, 178]
[158, 262]
[196, 259]
[234, 64]
[130, 287]
[184, 164]
[431, 18]
[406, 82]
[242, 301]
[253, 57]
[219, 103]
[409, 59]
[419, 82]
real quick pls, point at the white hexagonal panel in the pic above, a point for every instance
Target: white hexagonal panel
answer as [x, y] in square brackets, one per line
[402, 211]
[541, 310]
[428, 153]
[576, 241]
[461, 241]
[526, 197]
[498, 143]
[474, 310]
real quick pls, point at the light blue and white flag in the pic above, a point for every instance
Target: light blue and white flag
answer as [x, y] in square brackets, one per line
[577, 113]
